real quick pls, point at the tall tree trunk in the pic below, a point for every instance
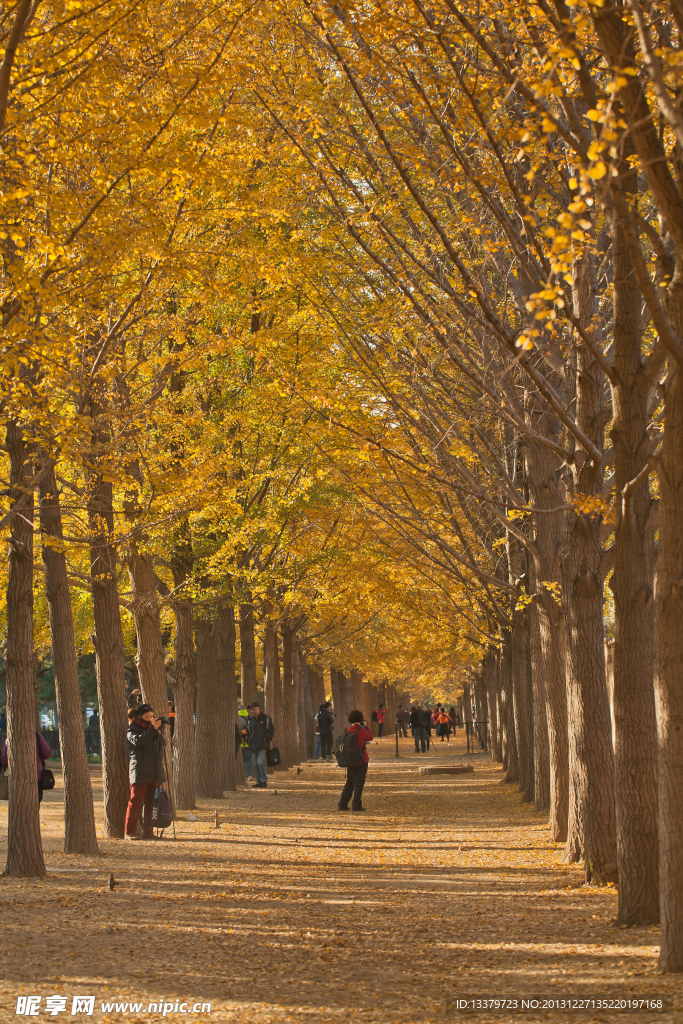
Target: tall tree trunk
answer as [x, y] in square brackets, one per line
[247, 652]
[289, 706]
[548, 628]
[272, 685]
[109, 655]
[522, 703]
[552, 628]
[669, 660]
[617, 39]
[80, 835]
[592, 825]
[144, 607]
[632, 582]
[508, 711]
[210, 727]
[358, 690]
[539, 697]
[24, 845]
[491, 673]
[150, 658]
[309, 688]
[184, 676]
[339, 700]
[298, 681]
[228, 692]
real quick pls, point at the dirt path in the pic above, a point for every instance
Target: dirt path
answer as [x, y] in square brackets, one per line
[291, 911]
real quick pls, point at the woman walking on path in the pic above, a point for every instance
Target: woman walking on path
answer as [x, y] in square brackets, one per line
[443, 724]
[356, 773]
[43, 751]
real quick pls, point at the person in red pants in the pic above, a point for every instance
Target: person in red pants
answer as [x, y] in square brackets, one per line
[145, 769]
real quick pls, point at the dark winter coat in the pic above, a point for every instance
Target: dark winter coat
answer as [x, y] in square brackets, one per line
[325, 721]
[418, 720]
[144, 753]
[260, 732]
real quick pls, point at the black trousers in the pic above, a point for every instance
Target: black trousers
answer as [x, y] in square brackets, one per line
[326, 742]
[355, 780]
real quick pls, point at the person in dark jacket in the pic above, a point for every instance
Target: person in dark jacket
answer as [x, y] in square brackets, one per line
[260, 733]
[43, 751]
[428, 724]
[356, 773]
[145, 769]
[325, 723]
[418, 723]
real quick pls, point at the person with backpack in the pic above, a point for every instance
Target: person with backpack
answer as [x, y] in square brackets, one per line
[352, 754]
[145, 769]
[42, 752]
[418, 725]
[260, 733]
[324, 721]
[381, 715]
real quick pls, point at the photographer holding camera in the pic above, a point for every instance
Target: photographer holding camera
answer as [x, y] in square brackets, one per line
[145, 769]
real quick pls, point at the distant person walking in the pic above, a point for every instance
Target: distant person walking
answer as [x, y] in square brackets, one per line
[443, 724]
[401, 721]
[428, 725]
[325, 723]
[381, 715]
[356, 773]
[260, 733]
[43, 751]
[418, 724]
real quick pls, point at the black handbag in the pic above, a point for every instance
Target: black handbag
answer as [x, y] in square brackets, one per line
[47, 778]
[273, 757]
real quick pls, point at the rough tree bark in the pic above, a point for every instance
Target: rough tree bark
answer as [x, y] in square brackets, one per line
[617, 39]
[144, 607]
[80, 835]
[592, 826]
[24, 845]
[247, 652]
[272, 684]
[298, 682]
[632, 583]
[548, 627]
[507, 711]
[338, 700]
[228, 693]
[184, 680]
[310, 707]
[289, 708]
[109, 654]
[209, 730]
[491, 676]
[522, 704]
